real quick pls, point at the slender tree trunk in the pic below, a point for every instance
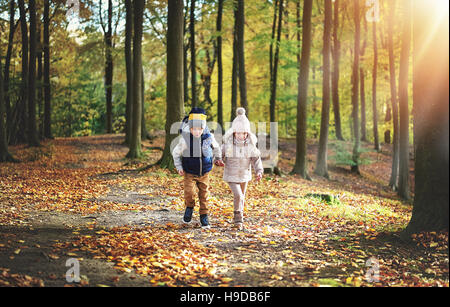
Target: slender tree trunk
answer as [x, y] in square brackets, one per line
[274, 77]
[135, 144]
[12, 30]
[234, 73]
[431, 121]
[33, 139]
[403, 179]
[22, 124]
[193, 57]
[362, 79]
[129, 69]
[47, 89]
[393, 181]
[109, 69]
[321, 164]
[219, 65]
[240, 24]
[144, 132]
[336, 53]
[4, 153]
[175, 105]
[374, 88]
[302, 99]
[355, 89]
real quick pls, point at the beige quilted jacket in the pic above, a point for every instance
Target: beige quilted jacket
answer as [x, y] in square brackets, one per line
[239, 158]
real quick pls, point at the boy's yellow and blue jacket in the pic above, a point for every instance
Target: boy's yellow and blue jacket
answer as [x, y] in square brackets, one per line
[196, 155]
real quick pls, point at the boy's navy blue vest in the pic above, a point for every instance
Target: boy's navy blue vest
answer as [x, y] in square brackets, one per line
[198, 157]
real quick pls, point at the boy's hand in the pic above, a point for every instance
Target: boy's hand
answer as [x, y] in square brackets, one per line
[259, 176]
[181, 172]
[219, 163]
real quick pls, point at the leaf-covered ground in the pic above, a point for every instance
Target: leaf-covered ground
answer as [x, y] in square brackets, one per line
[70, 199]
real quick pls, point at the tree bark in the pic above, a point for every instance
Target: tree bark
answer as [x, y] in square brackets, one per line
[321, 164]
[336, 54]
[175, 105]
[22, 123]
[5, 156]
[240, 24]
[374, 88]
[193, 57]
[219, 65]
[12, 30]
[302, 99]
[109, 69]
[274, 62]
[33, 139]
[355, 88]
[393, 181]
[135, 144]
[129, 69]
[235, 68]
[362, 79]
[47, 89]
[431, 120]
[403, 174]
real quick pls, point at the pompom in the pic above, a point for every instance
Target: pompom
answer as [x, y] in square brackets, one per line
[240, 111]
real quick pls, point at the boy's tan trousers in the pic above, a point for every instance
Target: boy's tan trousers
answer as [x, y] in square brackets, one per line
[189, 194]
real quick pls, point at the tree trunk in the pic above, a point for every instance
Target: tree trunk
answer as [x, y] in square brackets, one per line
[374, 88]
[362, 78]
[33, 139]
[355, 89]
[193, 57]
[47, 91]
[144, 133]
[431, 121]
[219, 65]
[234, 73]
[240, 24]
[12, 29]
[109, 70]
[321, 164]
[274, 62]
[393, 181]
[135, 144]
[403, 174]
[4, 153]
[336, 54]
[22, 123]
[129, 69]
[175, 105]
[302, 99]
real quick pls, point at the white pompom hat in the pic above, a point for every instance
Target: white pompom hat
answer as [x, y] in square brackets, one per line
[241, 122]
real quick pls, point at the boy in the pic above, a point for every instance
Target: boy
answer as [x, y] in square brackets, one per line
[193, 158]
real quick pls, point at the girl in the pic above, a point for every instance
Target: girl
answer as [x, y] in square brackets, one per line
[239, 154]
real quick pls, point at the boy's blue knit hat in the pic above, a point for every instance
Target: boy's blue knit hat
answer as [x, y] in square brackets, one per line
[197, 118]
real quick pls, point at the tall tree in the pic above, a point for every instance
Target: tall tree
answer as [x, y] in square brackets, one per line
[175, 100]
[135, 140]
[336, 54]
[109, 66]
[219, 64]
[22, 121]
[129, 69]
[240, 30]
[235, 67]
[403, 174]
[321, 164]
[374, 87]
[33, 139]
[12, 29]
[274, 62]
[362, 79]
[355, 88]
[4, 153]
[47, 90]
[393, 181]
[193, 55]
[302, 98]
[431, 117]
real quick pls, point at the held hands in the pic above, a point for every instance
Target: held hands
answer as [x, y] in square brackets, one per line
[259, 176]
[180, 172]
[219, 163]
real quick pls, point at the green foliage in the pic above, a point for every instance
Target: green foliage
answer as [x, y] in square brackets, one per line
[343, 154]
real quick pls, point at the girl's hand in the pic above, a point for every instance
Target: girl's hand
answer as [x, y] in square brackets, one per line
[259, 176]
[219, 163]
[181, 172]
